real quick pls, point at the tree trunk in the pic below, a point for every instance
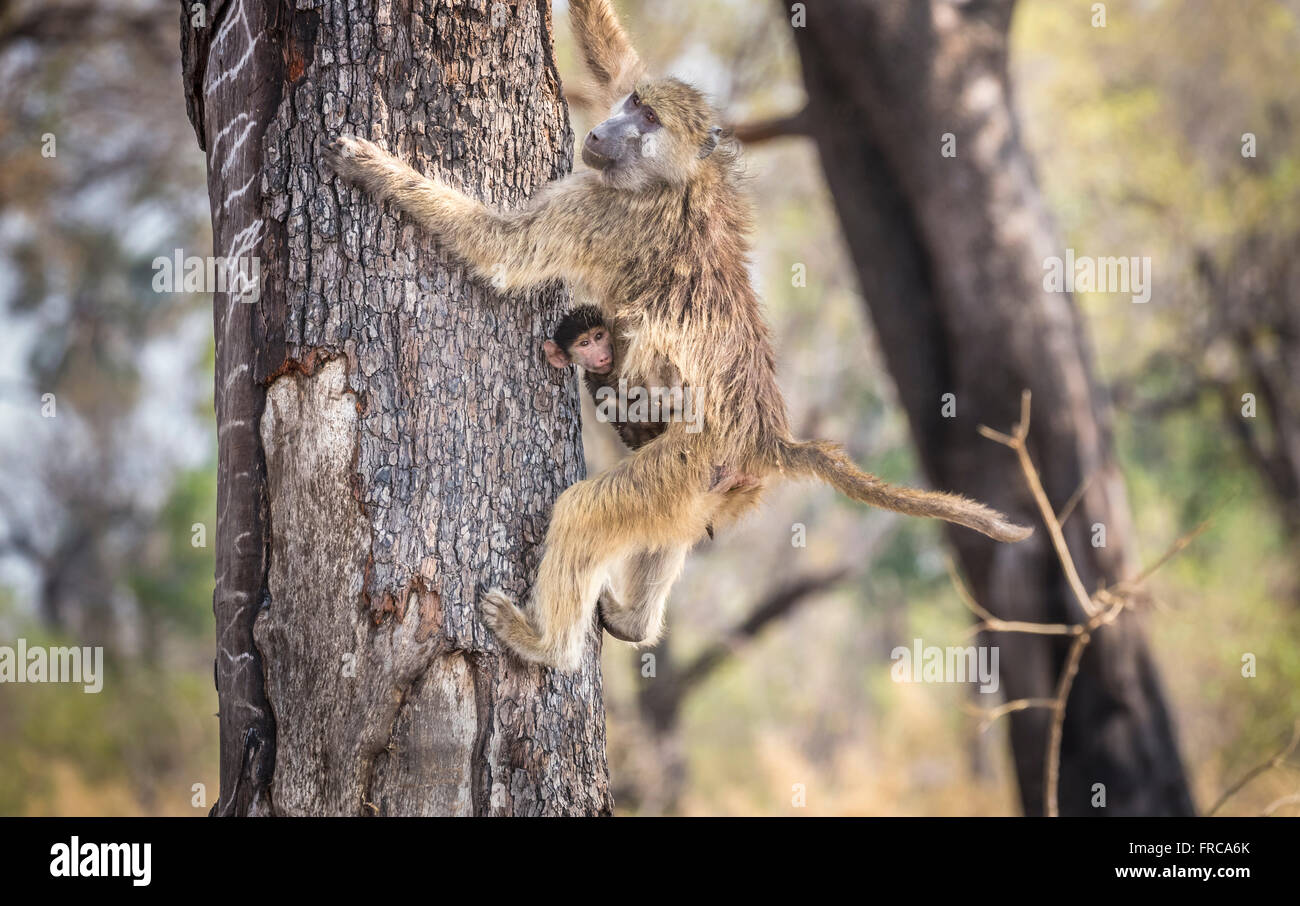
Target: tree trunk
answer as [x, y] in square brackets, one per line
[950, 254]
[390, 439]
[1255, 307]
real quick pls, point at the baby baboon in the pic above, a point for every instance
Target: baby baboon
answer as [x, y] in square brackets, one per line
[655, 231]
[584, 337]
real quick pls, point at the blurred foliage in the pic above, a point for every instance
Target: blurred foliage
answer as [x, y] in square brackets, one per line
[97, 503]
[1136, 129]
[173, 578]
[136, 747]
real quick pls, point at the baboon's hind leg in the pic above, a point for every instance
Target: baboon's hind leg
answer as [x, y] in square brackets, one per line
[510, 623]
[646, 578]
[553, 630]
[655, 498]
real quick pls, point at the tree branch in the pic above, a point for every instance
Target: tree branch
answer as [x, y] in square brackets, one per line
[1101, 608]
[777, 605]
[1258, 769]
[794, 124]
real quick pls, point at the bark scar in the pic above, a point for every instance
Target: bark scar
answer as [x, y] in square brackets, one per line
[316, 358]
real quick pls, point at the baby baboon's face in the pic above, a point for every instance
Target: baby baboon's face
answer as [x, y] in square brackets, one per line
[594, 351]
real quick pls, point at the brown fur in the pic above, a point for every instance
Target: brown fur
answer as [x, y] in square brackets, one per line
[634, 434]
[611, 60]
[662, 246]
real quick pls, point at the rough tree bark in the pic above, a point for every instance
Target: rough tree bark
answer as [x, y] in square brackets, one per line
[390, 440]
[950, 253]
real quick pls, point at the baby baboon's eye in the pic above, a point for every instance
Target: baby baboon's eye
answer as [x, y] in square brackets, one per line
[636, 99]
[650, 116]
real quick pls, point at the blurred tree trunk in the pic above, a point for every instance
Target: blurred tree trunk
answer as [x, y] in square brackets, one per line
[950, 254]
[390, 440]
[1254, 311]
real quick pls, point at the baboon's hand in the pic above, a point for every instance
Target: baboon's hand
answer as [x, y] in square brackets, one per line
[727, 479]
[354, 158]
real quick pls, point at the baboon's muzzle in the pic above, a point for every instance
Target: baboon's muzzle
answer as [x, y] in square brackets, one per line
[592, 154]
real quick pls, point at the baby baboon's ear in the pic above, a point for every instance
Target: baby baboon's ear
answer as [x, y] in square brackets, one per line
[555, 355]
[711, 143]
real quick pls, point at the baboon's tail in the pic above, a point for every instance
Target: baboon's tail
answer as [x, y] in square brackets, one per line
[828, 462]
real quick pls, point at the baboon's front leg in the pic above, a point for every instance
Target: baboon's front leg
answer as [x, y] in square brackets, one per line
[511, 250]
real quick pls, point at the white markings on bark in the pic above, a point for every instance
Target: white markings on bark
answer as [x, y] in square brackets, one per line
[235, 14]
[232, 377]
[225, 130]
[233, 196]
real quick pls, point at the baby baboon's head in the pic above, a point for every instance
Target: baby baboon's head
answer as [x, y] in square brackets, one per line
[582, 337]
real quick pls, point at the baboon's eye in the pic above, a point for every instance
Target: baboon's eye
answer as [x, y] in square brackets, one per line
[650, 116]
[636, 99]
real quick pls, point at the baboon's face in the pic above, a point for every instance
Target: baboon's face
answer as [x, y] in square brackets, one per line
[620, 142]
[658, 132]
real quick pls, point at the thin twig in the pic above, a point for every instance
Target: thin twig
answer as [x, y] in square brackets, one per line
[989, 715]
[1293, 798]
[1074, 500]
[1258, 769]
[1052, 775]
[995, 624]
[1017, 443]
[1174, 549]
[1101, 609]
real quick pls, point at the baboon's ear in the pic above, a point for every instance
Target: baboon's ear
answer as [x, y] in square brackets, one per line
[711, 143]
[555, 355]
